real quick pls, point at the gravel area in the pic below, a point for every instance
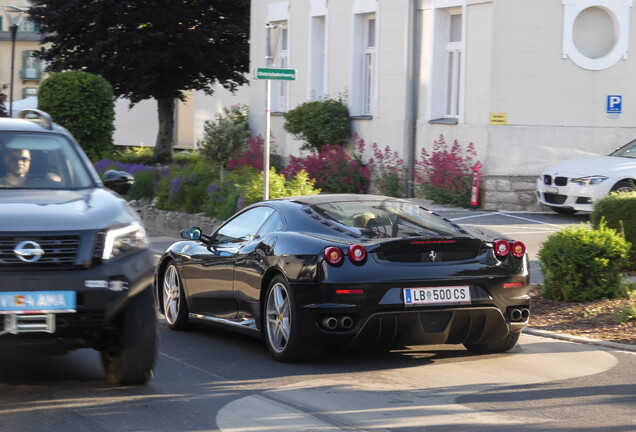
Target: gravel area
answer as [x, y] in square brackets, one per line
[594, 319]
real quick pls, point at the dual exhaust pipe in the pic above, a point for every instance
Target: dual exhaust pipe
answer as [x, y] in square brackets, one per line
[344, 322]
[519, 314]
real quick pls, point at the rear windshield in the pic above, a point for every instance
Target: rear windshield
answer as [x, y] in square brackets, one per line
[387, 219]
[40, 161]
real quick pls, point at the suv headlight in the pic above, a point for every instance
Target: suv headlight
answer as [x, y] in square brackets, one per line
[124, 239]
[589, 181]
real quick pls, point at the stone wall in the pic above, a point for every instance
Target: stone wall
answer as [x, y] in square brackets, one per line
[509, 193]
[170, 223]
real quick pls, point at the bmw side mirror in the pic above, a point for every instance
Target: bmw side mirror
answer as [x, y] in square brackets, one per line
[118, 181]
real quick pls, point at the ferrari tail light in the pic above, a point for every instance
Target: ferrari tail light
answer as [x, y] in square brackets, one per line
[357, 253]
[518, 249]
[502, 248]
[333, 255]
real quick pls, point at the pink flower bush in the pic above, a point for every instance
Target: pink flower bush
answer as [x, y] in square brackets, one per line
[334, 170]
[445, 175]
[390, 177]
[250, 157]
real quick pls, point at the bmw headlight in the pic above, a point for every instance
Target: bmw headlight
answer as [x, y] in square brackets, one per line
[124, 239]
[589, 181]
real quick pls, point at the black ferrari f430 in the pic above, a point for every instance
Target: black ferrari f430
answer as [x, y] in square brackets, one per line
[348, 270]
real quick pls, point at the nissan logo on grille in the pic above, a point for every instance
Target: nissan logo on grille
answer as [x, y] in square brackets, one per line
[28, 251]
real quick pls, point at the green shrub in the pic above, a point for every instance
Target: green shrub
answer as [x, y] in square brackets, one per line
[184, 187]
[244, 187]
[84, 104]
[226, 134]
[319, 123]
[581, 264]
[145, 184]
[618, 210]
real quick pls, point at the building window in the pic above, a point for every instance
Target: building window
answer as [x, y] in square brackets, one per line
[453, 65]
[280, 88]
[27, 26]
[365, 72]
[29, 92]
[596, 32]
[317, 57]
[31, 69]
[446, 89]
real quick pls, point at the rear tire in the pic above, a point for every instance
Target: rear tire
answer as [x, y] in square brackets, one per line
[506, 344]
[131, 357]
[281, 325]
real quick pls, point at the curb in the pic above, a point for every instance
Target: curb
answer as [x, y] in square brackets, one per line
[579, 339]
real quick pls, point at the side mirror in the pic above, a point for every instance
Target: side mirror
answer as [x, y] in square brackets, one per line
[119, 181]
[194, 233]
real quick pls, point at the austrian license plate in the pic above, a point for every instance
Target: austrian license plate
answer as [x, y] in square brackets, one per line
[437, 295]
[37, 302]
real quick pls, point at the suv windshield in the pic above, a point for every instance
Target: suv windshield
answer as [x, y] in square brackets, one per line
[628, 150]
[387, 218]
[40, 161]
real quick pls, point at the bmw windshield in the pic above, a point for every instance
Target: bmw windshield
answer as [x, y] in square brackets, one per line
[628, 150]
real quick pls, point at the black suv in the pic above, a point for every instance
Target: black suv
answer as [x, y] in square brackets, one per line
[75, 266]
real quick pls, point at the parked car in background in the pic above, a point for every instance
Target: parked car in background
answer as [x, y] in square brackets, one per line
[75, 267]
[310, 272]
[576, 184]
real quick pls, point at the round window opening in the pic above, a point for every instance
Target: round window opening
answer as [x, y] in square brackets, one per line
[595, 32]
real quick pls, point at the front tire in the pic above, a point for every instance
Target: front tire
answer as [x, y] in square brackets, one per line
[131, 356]
[506, 344]
[624, 186]
[282, 325]
[173, 298]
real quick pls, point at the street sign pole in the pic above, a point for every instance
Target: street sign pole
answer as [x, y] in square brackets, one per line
[267, 144]
[269, 74]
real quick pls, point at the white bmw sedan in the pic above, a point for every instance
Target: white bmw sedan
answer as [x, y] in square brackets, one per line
[574, 185]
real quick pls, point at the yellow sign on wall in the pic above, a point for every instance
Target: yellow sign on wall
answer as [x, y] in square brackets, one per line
[498, 118]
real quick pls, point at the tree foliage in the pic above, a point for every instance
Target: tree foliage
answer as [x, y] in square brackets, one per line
[149, 48]
[84, 104]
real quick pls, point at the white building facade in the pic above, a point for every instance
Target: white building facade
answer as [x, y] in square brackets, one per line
[529, 82]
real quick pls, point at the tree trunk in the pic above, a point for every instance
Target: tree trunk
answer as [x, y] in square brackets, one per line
[165, 136]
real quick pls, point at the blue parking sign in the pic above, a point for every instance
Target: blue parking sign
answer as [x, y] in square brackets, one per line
[614, 104]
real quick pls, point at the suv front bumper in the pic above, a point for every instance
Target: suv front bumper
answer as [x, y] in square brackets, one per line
[101, 292]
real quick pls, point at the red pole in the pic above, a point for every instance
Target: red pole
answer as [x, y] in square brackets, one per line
[474, 193]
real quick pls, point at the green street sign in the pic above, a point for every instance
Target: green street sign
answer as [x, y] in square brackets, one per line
[276, 74]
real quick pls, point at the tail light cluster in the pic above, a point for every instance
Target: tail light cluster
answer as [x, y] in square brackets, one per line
[503, 248]
[357, 254]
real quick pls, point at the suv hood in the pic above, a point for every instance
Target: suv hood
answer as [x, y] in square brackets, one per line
[598, 165]
[54, 210]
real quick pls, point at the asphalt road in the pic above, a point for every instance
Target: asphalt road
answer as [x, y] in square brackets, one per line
[213, 380]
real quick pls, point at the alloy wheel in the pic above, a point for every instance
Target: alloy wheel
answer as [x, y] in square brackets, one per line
[171, 295]
[278, 317]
